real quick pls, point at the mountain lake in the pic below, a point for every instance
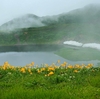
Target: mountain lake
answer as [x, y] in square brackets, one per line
[21, 55]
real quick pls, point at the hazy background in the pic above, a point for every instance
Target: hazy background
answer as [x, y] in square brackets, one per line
[10, 9]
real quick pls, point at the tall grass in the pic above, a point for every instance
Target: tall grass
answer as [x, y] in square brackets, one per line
[55, 81]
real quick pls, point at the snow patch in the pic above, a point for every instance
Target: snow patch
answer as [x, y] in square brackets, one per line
[75, 43]
[92, 45]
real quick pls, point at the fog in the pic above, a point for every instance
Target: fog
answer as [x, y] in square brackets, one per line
[24, 21]
[36, 13]
[85, 14]
[15, 8]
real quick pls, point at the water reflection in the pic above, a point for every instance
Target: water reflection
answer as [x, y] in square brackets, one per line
[23, 58]
[31, 47]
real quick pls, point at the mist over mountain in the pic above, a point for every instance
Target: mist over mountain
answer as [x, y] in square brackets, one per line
[25, 21]
[88, 14]
[82, 25]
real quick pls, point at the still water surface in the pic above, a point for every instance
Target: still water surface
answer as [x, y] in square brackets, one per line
[23, 58]
[20, 55]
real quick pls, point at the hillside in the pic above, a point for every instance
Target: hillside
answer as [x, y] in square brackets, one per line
[81, 25]
[25, 21]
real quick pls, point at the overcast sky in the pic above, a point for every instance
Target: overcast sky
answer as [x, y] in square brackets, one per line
[10, 9]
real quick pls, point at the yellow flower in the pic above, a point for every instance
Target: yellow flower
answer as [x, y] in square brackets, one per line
[63, 65]
[70, 66]
[38, 71]
[32, 63]
[12, 67]
[22, 70]
[75, 71]
[78, 66]
[90, 65]
[51, 69]
[4, 67]
[51, 73]
[29, 70]
[42, 69]
[6, 64]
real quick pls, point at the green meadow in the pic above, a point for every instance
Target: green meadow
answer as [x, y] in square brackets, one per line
[79, 53]
[55, 81]
[58, 80]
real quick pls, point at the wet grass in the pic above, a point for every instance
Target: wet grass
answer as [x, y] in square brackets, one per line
[79, 54]
[57, 81]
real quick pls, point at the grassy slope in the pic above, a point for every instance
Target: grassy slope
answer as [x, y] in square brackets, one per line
[82, 25]
[63, 84]
[82, 32]
[81, 54]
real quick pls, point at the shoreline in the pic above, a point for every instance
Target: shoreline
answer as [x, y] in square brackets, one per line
[31, 47]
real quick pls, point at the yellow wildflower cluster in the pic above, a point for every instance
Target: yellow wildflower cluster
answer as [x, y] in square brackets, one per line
[25, 69]
[79, 66]
[75, 71]
[6, 65]
[89, 66]
[30, 65]
[70, 66]
[64, 64]
[29, 70]
[51, 68]
[47, 70]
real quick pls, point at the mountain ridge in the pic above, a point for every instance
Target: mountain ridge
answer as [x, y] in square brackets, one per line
[25, 21]
[82, 25]
[86, 14]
